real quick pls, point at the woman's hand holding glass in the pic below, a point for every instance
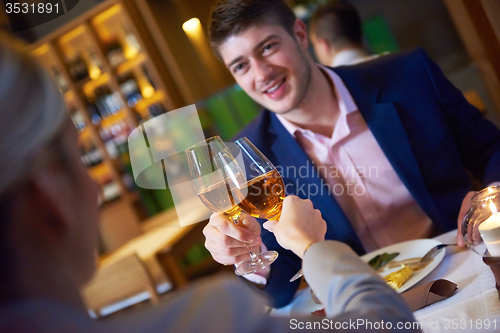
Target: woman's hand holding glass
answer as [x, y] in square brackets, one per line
[299, 227]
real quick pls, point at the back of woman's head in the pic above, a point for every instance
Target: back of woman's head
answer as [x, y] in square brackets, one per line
[32, 112]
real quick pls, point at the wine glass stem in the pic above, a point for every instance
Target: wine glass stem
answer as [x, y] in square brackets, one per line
[236, 220]
[252, 255]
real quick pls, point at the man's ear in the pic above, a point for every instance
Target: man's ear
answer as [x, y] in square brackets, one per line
[300, 32]
[51, 189]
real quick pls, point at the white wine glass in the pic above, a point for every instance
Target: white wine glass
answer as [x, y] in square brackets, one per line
[256, 185]
[263, 191]
[216, 193]
[260, 189]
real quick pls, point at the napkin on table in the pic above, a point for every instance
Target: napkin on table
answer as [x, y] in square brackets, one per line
[429, 293]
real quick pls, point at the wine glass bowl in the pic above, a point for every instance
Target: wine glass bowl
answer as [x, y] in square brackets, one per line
[264, 189]
[220, 184]
[208, 180]
[481, 224]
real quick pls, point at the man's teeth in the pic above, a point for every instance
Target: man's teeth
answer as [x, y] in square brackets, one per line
[273, 88]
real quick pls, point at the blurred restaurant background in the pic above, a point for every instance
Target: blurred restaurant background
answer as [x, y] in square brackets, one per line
[120, 63]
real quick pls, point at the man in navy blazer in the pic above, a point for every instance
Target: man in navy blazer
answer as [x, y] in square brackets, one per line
[428, 132]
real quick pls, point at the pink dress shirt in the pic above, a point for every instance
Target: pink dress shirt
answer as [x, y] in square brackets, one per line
[364, 183]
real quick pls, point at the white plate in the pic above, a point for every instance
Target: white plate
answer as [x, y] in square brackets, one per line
[304, 305]
[411, 249]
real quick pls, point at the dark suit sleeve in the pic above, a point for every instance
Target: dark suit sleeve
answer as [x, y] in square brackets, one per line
[477, 139]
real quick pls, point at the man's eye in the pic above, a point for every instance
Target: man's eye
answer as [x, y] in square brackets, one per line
[238, 68]
[269, 47]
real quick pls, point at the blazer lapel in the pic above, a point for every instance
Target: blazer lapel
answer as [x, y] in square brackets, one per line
[385, 124]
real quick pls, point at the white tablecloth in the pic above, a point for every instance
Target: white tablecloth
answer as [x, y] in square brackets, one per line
[473, 308]
[476, 300]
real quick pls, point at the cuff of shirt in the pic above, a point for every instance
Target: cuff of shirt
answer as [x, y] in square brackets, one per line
[260, 277]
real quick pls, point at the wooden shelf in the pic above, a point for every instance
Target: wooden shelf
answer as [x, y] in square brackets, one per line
[89, 86]
[129, 65]
[85, 41]
[158, 97]
[113, 119]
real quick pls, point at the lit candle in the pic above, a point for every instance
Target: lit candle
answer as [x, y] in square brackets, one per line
[490, 232]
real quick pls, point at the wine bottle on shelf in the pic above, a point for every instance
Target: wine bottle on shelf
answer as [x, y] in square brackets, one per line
[110, 188]
[107, 139]
[70, 65]
[148, 77]
[100, 101]
[107, 102]
[83, 155]
[79, 68]
[77, 118]
[156, 110]
[138, 117]
[60, 81]
[94, 64]
[95, 156]
[130, 89]
[90, 155]
[94, 115]
[114, 52]
[131, 45]
[114, 102]
[144, 83]
[114, 137]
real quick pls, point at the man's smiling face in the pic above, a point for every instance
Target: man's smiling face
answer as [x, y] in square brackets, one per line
[270, 65]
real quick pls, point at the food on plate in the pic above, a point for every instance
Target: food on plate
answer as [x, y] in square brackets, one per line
[398, 278]
[382, 259]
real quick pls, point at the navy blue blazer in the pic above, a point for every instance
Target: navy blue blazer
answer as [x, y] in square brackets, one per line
[425, 127]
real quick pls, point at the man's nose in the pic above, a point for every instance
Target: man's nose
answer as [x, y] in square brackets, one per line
[262, 71]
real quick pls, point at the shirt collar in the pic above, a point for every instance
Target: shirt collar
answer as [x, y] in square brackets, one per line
[346, 103]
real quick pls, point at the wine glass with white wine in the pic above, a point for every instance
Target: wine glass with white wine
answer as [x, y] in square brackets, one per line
[258, 187]
[261, 191]
[218, 194]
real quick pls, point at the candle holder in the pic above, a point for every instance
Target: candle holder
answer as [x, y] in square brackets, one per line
[481, 228]
[494, 264]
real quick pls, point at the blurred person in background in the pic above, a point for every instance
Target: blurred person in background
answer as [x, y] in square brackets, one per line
[336, 34]
[383, 149]
[49, 226]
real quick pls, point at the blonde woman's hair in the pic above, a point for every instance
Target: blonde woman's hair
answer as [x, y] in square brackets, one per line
[32, 112]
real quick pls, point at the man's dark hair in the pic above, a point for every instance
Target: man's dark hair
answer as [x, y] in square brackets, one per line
[337, 22]
[231, 17]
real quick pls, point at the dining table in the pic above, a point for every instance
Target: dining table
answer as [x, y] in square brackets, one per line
[474, 307]
[163, 234]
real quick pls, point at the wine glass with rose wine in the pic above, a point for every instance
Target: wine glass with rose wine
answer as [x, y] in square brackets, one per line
[217, 192]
